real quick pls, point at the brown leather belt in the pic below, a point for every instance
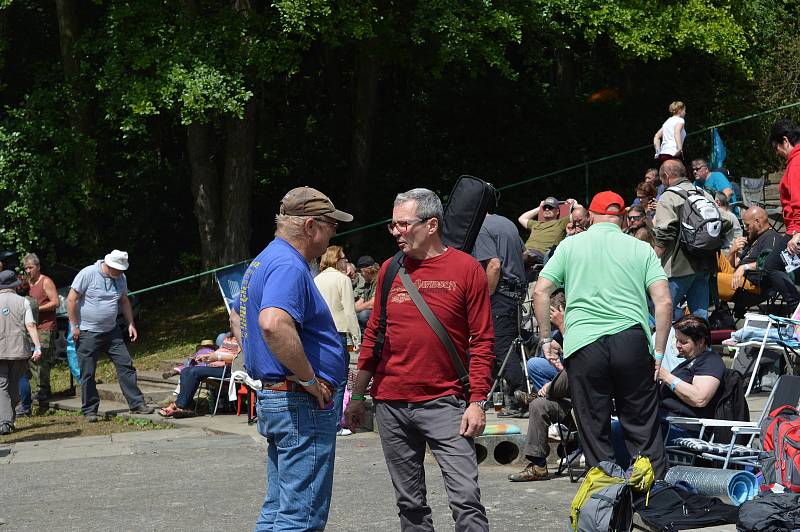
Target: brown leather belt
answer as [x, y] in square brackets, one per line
[292, 386]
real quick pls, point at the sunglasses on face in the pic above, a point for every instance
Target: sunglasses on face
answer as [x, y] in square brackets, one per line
[635, 218]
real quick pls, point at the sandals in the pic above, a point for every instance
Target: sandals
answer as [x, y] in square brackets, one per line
[174, 411]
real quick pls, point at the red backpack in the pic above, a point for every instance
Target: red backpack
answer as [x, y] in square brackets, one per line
[780, 436]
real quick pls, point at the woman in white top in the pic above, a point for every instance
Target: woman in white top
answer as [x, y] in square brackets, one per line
[668, 140]
[337, 291]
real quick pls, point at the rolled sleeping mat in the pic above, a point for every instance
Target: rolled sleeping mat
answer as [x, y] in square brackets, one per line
[501, 428]
[734, 487]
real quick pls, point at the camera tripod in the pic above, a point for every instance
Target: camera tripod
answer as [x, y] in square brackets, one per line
[519, 344]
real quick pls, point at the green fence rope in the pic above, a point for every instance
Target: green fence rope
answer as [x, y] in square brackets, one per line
[584, 164]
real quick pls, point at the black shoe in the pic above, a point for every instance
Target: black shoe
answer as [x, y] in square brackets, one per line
[91, 418]
[168, 375]
[43, 397]
[510, 412]
[143, 409]
[22, 413]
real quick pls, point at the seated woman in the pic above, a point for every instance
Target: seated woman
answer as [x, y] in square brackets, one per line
[214, 365]
[692, 388]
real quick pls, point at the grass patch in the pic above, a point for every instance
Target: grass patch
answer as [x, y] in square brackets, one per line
[170, 327]
[55, 424]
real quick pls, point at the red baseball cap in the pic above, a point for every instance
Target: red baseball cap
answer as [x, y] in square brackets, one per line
[603, 200]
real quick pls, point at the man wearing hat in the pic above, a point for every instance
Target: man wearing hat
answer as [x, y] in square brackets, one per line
[16, 324]
[96, 295]
[548, 231]
[292, 346]
[608, 352]
[364, 290]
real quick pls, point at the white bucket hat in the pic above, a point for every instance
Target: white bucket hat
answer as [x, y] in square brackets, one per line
[117, 259]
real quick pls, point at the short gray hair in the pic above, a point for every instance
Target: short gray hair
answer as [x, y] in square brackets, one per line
[31, 257]
[289, 226]
[428, 203]
[722, 199]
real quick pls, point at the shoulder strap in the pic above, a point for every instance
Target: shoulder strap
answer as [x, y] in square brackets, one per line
[386, 286]
[437, 327]
[679, 191]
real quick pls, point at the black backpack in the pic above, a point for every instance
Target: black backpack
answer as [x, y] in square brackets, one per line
[700, 222]
[772, 512]
[669, 508]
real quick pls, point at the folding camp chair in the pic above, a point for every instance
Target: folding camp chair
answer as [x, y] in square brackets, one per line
[785, 392]
[569, 454]
[753, 193]
[226, 369]
[787, 340]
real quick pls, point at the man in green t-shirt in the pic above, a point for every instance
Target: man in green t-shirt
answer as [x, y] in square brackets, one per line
[608, 349]
[548, 231]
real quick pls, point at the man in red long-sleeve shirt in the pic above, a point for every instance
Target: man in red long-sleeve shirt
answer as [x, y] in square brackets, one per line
[418, 397]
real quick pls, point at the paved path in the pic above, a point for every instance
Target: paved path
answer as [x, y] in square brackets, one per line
[193, 478]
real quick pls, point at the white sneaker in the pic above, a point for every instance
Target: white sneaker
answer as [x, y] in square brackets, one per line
[552, 431]
[344, 432]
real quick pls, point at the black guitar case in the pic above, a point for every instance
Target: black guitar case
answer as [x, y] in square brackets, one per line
[469, 202]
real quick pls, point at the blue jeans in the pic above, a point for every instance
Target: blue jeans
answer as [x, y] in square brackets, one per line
[25, 399]
[692, 288]
[301, 449]
[540, 372]
[191, 377]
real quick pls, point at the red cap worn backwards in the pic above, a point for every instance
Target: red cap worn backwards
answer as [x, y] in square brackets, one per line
[603, 201]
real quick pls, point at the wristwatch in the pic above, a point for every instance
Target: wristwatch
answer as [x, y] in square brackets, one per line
[481, 404]
[545, 340]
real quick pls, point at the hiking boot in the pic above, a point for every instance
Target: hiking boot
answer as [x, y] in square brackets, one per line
[91, 418]
[532, 472]
[43, 397]
[142, 409]
[523, 398]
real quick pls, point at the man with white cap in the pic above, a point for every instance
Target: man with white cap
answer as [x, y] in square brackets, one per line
[97, 294]
[292, 346]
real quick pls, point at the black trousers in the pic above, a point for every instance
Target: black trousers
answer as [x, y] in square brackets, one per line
[504, 319]
[617, 367]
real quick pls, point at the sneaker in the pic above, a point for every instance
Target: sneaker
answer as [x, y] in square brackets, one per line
[19, 412]
[553, 432]
[344, 432]
[532, 472]
[142, 409]
[6, 428]
[91, 418]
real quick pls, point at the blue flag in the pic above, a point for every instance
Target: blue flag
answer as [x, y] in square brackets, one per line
[718, 151]
[229, 281]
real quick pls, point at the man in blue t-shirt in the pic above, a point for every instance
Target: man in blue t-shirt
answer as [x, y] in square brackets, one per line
[714, 182]
[292, 346]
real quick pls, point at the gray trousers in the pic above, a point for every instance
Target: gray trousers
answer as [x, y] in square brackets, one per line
[405, 429]
[10, 373]
[541, 414]
[89, 347]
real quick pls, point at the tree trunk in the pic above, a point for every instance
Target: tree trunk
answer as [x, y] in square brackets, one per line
[205, 190]
[69, 31]
[565, 73]
[240, 146]
[366, 103]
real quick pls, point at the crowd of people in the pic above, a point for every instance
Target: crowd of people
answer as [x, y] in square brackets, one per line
[608, 282]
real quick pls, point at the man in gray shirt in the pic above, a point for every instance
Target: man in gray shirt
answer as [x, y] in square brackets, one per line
[499, 249]
[97, 294]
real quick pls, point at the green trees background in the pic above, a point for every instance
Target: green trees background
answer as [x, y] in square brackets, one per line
[171, 128]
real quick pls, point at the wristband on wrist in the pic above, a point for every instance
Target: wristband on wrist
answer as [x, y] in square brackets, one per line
[659, 356]
[357, 397]
[306, 384]
[675, 383]
[219, 357]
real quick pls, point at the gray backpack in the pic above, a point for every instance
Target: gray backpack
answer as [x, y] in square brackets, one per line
[700, 223]
[608, 503]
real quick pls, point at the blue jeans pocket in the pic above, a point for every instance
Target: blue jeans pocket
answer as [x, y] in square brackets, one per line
[278, 422]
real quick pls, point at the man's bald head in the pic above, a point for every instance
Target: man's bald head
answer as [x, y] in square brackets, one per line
[671, 170]
[755, 221]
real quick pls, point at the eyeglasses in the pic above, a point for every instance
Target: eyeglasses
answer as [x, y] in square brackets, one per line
[332, 224]
[635, 218]
[697, 168]
[402, 226]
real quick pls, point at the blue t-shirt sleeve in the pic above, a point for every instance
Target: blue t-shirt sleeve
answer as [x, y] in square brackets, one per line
[286, 288]
[712, 366]
[81, 282]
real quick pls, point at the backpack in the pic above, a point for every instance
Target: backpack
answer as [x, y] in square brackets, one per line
[770, 512]
[470, 200]
[604, 502]
[671, 508]
[780, 436]
[700, 232]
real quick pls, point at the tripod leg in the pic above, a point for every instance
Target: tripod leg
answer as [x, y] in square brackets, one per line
[502, 370]
[524, 354]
